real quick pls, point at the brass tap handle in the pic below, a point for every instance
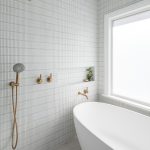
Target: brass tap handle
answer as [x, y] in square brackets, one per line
[49, 78]
[39, 79]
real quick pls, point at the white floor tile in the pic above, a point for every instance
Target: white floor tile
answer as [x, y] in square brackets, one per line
[74, 145]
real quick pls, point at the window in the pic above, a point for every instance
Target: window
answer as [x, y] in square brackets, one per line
[127, 46]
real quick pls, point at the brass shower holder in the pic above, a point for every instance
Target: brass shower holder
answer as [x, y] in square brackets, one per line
[12, 84]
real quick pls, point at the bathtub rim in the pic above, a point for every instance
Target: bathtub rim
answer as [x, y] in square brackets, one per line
[113, 105]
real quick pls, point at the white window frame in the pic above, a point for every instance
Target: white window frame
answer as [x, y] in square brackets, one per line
[108, 22]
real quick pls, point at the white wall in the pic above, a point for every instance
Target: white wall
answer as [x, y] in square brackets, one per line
[48, 36]
[104, 7]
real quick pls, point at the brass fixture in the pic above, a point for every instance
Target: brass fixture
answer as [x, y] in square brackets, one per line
[49, 78]
[84, 93]
[14, 84]
[85, 80]
[39, 79]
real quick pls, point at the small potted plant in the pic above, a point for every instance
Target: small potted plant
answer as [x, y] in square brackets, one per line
[89, 75]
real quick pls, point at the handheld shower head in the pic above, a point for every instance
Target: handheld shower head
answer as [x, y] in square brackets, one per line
[18, 68]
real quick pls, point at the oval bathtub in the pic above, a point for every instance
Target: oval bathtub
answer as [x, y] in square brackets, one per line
[101, 126]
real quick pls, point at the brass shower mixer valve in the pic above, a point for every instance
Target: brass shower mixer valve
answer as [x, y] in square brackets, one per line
[40, 80]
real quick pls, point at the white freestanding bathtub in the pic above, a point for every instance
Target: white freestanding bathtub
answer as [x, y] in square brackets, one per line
[101, 126]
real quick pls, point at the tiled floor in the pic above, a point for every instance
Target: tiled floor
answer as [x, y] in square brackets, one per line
[74, 145]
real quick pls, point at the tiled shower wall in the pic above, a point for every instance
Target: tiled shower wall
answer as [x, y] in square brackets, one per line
[105, 7]
[47, 36]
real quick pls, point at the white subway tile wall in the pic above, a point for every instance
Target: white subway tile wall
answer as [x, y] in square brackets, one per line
[47, 36]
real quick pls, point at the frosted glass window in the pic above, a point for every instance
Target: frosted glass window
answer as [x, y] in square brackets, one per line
[131, 57]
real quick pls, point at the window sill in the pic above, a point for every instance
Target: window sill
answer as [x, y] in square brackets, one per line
[124, 101]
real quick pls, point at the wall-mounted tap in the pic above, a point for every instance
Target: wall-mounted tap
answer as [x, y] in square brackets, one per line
[84, 93]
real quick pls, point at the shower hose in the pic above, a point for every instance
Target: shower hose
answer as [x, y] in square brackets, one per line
[14, 126]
